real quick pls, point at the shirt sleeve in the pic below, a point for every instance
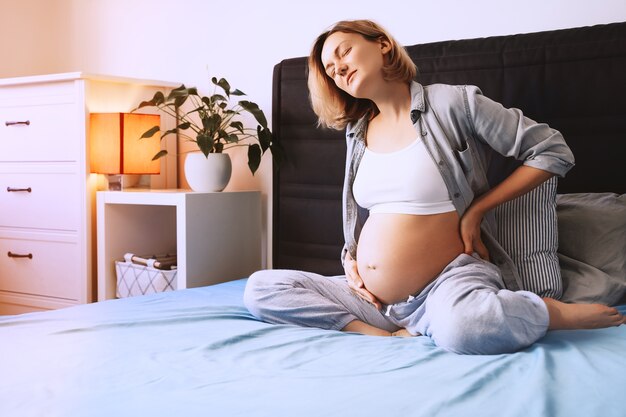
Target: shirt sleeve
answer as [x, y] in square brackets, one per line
[344, 251]
[510, 133]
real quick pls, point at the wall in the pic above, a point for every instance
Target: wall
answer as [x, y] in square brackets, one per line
[34, 37]
[189, 41]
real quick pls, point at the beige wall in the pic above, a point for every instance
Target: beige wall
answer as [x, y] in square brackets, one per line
[191, 40]
[34, 38]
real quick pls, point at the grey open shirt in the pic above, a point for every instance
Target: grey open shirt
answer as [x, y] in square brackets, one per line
[461, 129]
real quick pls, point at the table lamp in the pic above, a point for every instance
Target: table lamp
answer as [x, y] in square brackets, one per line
[116, 147]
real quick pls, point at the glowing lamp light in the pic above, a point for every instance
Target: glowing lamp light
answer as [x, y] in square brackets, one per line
[116, 147]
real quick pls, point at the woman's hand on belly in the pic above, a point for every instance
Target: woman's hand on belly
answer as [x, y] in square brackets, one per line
[355, 282]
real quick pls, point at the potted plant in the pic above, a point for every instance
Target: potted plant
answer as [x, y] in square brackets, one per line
[212, 123]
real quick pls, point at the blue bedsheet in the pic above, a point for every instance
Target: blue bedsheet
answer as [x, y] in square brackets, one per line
[198, 352]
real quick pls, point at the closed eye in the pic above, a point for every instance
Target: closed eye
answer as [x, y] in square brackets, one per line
[330, 69]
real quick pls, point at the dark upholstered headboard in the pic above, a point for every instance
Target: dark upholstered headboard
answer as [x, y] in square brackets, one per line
[573, 79]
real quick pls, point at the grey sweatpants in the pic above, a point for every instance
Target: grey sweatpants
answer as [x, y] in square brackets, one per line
[466, 309]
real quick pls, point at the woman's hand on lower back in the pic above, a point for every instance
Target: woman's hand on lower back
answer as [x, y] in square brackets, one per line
[470, 234]
[522, 180]
[355, 282]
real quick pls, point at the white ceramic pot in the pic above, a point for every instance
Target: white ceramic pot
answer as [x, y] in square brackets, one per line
[208, 174]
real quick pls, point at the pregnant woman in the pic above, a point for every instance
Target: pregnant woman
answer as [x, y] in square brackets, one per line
[416, 158]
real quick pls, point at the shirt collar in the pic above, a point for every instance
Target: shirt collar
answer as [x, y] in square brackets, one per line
[417, 107]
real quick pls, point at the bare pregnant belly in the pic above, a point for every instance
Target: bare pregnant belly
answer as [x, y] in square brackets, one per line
[399, 254]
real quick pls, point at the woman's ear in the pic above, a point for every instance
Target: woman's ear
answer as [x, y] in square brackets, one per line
[385, 46]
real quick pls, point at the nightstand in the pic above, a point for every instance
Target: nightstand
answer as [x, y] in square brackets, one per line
[216, 236]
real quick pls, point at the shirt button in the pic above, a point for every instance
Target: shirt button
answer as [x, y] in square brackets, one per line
[440, 162]
[457, 195]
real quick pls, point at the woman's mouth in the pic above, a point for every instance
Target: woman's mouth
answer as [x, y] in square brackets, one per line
[350, 76]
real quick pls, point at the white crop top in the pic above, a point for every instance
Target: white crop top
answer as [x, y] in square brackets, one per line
[405, 181]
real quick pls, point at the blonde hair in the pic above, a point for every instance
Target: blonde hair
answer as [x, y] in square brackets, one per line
[334, 107]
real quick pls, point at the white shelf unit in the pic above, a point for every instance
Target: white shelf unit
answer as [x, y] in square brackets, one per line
[216, 236]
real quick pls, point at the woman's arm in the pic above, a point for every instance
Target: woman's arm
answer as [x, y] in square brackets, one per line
[510, 133]
[507, 131]
[521, 181]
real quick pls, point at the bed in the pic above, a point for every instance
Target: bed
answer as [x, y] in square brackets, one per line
[198, 352]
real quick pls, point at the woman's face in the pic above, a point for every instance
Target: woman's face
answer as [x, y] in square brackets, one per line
[353, 62]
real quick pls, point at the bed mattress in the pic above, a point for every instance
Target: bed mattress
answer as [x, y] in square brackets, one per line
[198, 352]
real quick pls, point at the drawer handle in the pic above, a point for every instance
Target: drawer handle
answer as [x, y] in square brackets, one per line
[17, 255]
[15, 190]
[27, 123]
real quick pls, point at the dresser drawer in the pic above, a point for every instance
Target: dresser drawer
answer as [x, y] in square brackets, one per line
[53, 202]
[16, 303]
[47, 131]
[40, 264]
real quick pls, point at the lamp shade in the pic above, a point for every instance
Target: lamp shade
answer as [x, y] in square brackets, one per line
[116, 147]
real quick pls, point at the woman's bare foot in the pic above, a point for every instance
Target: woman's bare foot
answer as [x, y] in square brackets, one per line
[357, 326]
[581, 316]
[402, 333]
[364, 328]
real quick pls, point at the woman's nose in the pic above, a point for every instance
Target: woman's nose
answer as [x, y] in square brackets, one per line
[343, 68]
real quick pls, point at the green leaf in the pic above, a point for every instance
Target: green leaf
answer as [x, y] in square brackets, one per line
[237, 93]
[150, 132]
[157, 99]
[179, 101]
[254, 109]
[207, 103]
[205, 143]
[219, 147]
[232, 138]
[223, 84]
[159, 155]
[183, 126]
[178, 92]
[210, 102]
[179, 95]
[200, 110]
[265, 137]
[217, 97]
[237, 125]
[212, 122]
[254, 157]
[221, 134]
[169, 132]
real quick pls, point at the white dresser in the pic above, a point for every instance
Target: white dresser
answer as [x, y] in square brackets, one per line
[47, 195]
